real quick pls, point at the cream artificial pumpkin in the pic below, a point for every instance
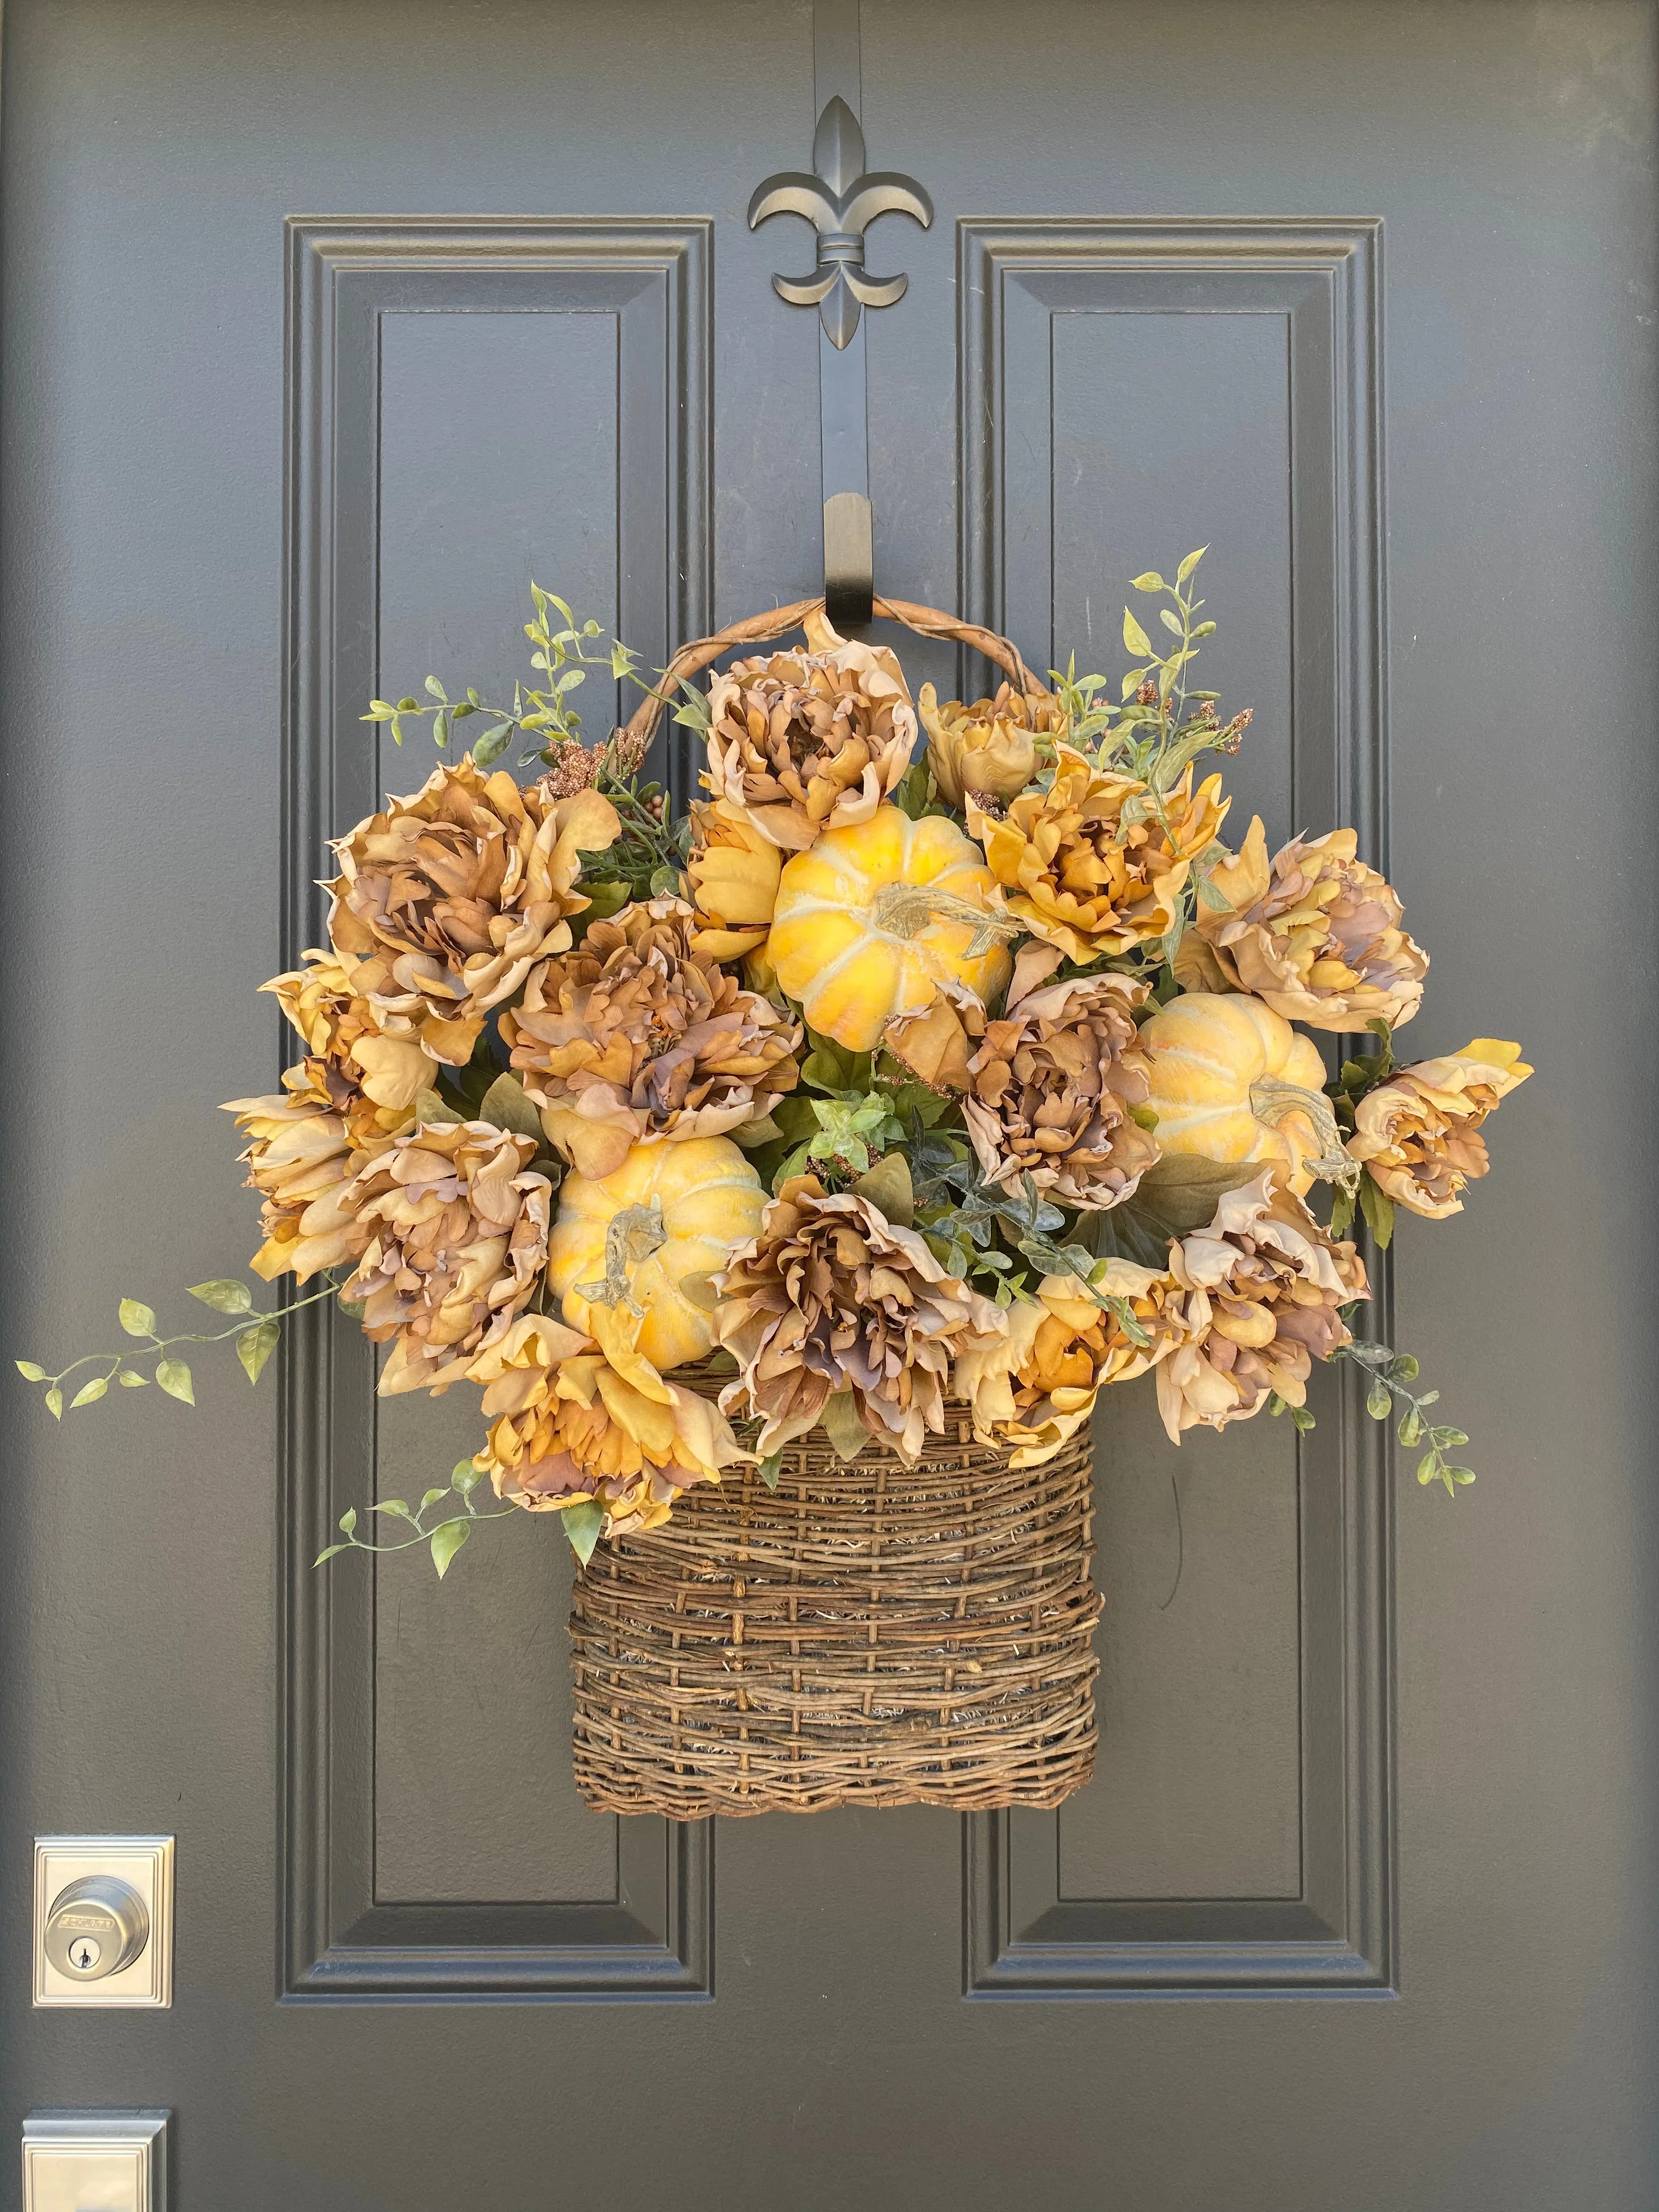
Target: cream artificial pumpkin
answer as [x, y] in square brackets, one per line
[876, 916]
[1230, 1079]
[669, 1212]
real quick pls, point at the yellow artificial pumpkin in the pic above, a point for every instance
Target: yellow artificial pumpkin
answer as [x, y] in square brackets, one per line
[1231, 1080]
[875, 916]
[710, 1199]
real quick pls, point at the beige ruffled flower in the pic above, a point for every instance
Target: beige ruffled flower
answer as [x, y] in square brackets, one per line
[732, 880]
[1095, 863]
[1037, 1386]
[457, 1242]
[833, 1297]
[989, 749]
[446, 900]
[1417, 1132]
[800, 742]
[574, 1417]
[1315, 935]
[371, 1077]
[1260, 1287]
[300, 1161]
[634, 1034]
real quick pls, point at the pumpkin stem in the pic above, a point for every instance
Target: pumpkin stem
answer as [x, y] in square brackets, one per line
[907, 910]
[633, 1235]
[1274, 1100]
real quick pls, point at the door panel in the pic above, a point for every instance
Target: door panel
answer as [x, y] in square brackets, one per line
[325, 329]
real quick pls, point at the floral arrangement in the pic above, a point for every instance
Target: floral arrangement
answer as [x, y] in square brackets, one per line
[943, 1050]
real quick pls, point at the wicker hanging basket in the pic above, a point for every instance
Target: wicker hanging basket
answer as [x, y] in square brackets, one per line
[867, 1632]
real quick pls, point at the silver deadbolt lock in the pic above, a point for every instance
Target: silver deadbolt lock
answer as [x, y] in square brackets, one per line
[96, 1927]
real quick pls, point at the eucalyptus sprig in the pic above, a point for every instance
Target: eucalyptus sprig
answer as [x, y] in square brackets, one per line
[445, 1536]
[1392, 1374]
[257, 1335]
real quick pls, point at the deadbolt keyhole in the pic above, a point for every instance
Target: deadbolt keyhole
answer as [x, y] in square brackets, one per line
[96, 1926]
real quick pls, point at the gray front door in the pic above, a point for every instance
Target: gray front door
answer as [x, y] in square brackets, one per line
[325, 327]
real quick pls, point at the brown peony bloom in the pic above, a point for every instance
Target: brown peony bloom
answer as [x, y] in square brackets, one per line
[1317, 934]
[801, 741]
[1036, 1387]
[572, 1418]
[302, 1162]
[1094, 863]
[989, 749]
[1417, 1132]
[371, 1077]
[456, 1244]
[732, 879]
[1261, 1287]
[634, 1034]
[444, 902]
[833, 1297]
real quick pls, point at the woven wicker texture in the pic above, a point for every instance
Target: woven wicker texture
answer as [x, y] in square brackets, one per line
[865, 1634]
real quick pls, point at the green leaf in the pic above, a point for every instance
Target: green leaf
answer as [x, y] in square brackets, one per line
[1460, 1474]
[1378, 1209]
[459, 713]
[1377, 1401]
[255, 1346]
[1342, 1205]
[89, 1393]
[447, 1540]
[1428, 1466]
[1202, 629]
[465, 1478]
[431, 1498]
[1411, 1426]
[1135, 638]
[174, 1375]
[1181, 1191]
[1302, 1418]
[130, 1379]
[136, 1318]
[1403, 1370]
[55, 1402]
[435, 688]
[664, 881]
[1190, 564]
[333, 1553]
[1148, 580]
[768, 1467]
[888, 1190]
[397, 1507]
[1169, 621]
[408, 706]
[30, 1372]
[841, 1423]
[348, 1519]
[432, 1108]
[493, 744]
[440, 726]
[506, 1105]
[227, 1296]
[583, 1523]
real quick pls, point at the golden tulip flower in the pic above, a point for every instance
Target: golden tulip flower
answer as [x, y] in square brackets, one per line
[1417, 1133]
[1095, 863]
[1035, 1387]
[732, 880]
[1315, 935]
[575, 1418]
[989, 749]
[1260, 1293]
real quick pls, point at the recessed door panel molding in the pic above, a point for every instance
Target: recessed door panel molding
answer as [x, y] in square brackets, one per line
[547, 378]
[1088, 349]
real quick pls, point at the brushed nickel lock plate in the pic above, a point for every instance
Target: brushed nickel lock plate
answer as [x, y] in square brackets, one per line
[96, 2162]
[103, 1920]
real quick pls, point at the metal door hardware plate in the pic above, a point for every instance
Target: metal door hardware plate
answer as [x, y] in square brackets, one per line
[96, 2162]
[103, 1920]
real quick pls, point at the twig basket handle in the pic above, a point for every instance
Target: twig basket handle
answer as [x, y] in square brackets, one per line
[777, 622]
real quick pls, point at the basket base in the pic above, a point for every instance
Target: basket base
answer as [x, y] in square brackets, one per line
[865, 1634]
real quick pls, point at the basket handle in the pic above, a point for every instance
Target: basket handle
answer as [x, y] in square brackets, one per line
[631, 742]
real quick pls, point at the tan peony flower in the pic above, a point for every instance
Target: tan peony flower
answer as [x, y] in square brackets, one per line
[575, 1418]
[833, 1297]
[1036, 1387]
[302, 1162]
[445, 901]
[1317, 934]
[457, 1242]
[1095, 863]
[989, 749]
[371, 1077]
[802, 741]
[1261, 1287]
[732, 879]
[1417, 1132]
[634, 1034]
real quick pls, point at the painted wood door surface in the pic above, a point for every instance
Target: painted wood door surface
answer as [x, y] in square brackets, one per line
[325, 327]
